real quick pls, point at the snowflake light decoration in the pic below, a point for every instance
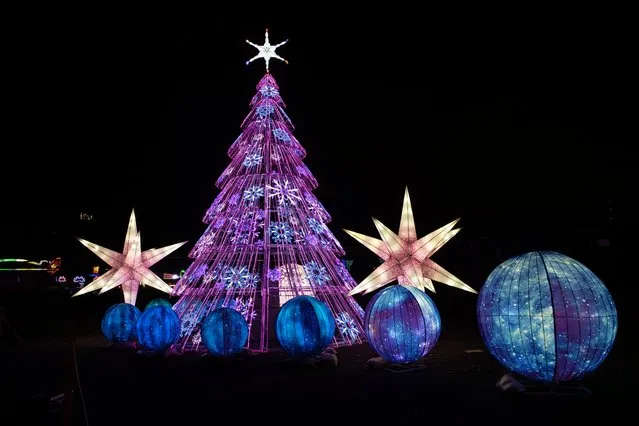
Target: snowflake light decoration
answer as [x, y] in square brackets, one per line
[315, 225]
[189, 322]
[241, 237]
[316, 273]
[244, 307]
[265, 110]
[284, 192]
[281, 135]
[252, 160]
[281, 232]
[266, 51]
[275, 157]
[197, 338]
[311, 239]
[258, 137]
[236, 277]
[254, 193]
[252, 281]
[347, 325]
[269, 91]
[234, 199]
[274, 274]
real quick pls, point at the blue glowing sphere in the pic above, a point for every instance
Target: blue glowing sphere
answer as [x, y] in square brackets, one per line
[224, 331]
[305, 326]
[158, 302]
[118, 323]
[402, 324]
[547, 317]
[158, 328]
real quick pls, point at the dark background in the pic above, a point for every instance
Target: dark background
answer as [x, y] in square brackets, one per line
[515, 120]
[509, 119]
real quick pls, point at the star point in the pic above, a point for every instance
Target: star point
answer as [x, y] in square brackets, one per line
[130, 268]
[407, 258]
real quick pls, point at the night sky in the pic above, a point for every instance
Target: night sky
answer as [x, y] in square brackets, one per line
[507, 122]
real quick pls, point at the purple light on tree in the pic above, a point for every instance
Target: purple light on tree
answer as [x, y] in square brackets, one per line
[267, 239]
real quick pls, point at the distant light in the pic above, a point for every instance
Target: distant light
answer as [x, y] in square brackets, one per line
[86, 216]
[166, 276]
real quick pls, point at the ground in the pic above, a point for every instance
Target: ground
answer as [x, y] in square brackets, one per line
[456, 384]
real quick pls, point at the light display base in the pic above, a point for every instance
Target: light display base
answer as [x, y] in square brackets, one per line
[328, 358]
[404, 368]
[510, 383]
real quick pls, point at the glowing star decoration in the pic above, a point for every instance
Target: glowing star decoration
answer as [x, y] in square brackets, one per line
[267, 51]
[130, 268]
[406, 258]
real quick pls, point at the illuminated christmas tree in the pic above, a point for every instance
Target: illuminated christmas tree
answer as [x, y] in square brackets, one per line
[267, 240]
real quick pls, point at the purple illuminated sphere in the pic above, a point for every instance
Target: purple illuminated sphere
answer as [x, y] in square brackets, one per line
[402, 324]
[547, 317]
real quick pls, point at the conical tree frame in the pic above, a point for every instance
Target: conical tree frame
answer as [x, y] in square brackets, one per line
[267, 240]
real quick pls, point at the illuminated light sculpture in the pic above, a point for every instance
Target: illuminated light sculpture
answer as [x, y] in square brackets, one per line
[130, 268]
[42, 265]
[158, 328]
[266, 51]
[119, 322]
[224, 332]
[402, 324]
[267, 238]
[546, 317]
[158, 302]
[305, 326]
[406, 258]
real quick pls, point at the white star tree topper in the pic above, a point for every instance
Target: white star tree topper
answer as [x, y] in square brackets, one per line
[130, 268]
[406, 258]
[266, 51]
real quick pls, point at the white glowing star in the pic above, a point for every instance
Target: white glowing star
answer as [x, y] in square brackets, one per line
[130, 268]
[407, 259]
[266, 51]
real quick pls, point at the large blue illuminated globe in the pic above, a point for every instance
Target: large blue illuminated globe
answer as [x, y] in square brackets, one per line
[305, 326]
[224, 331]
[158, 328]
[118, 323]
[547, 317]
[402, 324]
[158, 302]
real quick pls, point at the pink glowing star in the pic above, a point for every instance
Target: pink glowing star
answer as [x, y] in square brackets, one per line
[406, 258]
[130, 268]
